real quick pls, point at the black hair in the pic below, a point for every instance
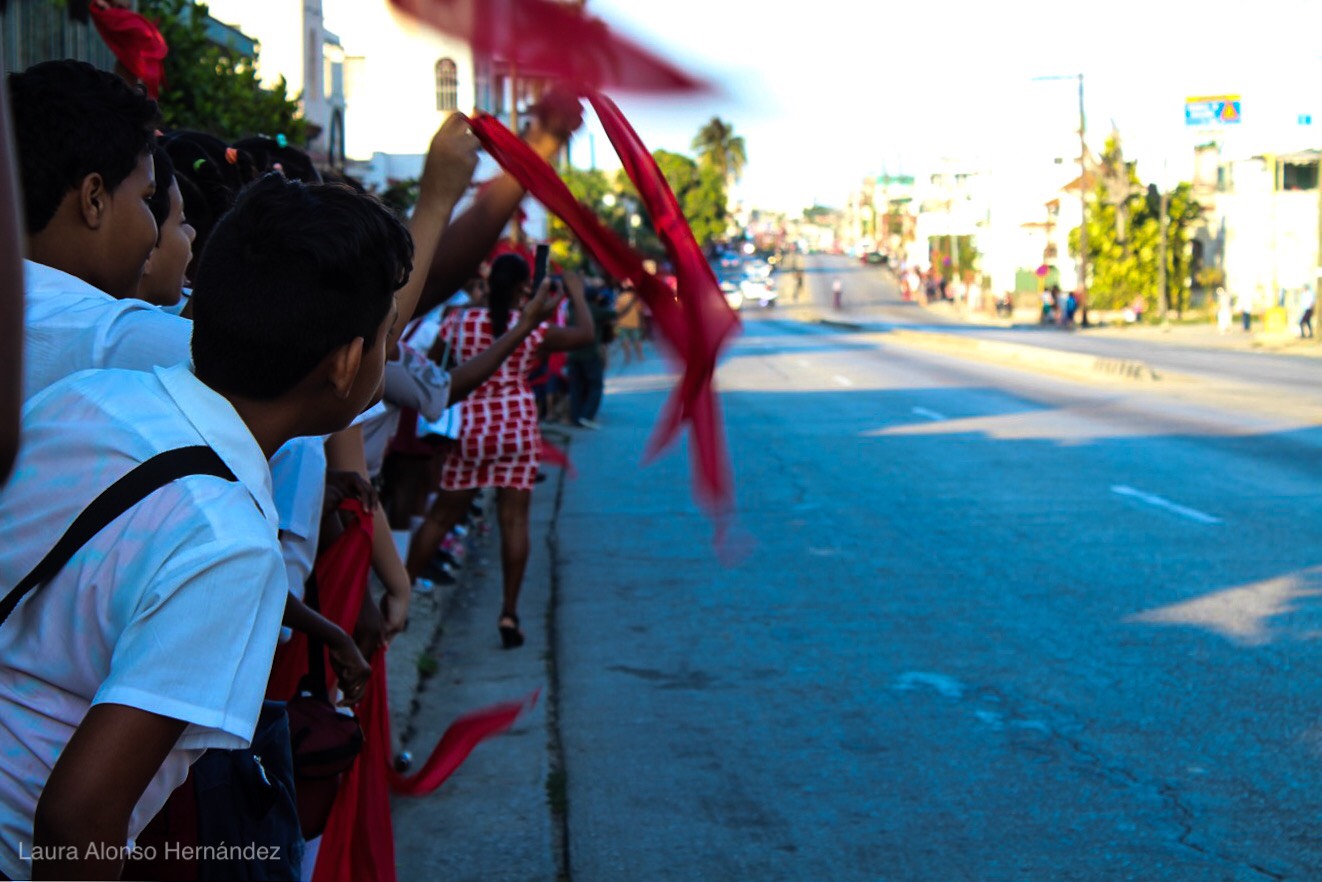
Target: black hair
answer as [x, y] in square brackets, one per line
[269, 153]
[159, 203]
[333, 176]
[508, 272]
[210, 176]
[72, 120]
[291, 273]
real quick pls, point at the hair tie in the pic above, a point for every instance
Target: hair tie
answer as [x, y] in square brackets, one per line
[231, 156]
[278, 167]
[158, 133]
[281, 141]
[198, 163]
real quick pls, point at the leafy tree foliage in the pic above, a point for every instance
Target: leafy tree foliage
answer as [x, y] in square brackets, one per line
[719, 148]
[1124, 237]
[699, 190]
[213, 89]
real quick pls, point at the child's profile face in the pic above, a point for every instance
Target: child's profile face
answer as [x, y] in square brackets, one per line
[130, 230]
[165, 276]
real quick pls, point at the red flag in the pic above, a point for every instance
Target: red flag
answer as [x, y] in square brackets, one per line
[683, 316]
[135, 42]
[709, 319]
[544, 38]
[556, 456]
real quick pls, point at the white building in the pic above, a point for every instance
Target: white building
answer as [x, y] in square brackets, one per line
[952, 202]
[380, 94]
[294, 43]
[1268, 207]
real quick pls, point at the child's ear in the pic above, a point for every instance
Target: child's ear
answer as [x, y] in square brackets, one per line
[342, 366]
[93, 198]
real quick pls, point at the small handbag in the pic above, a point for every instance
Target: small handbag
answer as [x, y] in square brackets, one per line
[324, 742]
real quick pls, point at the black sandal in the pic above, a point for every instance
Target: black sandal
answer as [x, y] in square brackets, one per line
[510, 635]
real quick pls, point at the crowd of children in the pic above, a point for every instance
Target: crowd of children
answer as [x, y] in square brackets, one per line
[212, 361]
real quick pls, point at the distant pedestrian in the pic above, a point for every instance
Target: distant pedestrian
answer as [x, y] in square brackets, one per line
[1245, 309]
[1223, 314]
[1306, 301]
[837, 292]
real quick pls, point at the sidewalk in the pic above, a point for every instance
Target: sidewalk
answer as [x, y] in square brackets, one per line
[1203, 335]
[492, 821]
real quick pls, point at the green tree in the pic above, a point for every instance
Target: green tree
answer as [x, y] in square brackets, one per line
[699, 191]
[1124, 237]
[718, 147]
[214, 89]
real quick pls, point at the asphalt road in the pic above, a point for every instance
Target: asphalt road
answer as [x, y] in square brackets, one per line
[992, 626]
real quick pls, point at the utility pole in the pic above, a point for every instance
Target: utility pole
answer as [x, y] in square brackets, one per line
[1163, 279]
[1083, 196]
[1083, 209]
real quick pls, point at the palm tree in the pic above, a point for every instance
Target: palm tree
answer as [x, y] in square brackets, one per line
[720, 148]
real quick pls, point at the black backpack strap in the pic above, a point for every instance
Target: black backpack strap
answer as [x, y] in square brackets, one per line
[125, 493]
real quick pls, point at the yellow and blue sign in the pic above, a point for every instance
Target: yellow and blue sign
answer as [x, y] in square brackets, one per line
[1213, 110]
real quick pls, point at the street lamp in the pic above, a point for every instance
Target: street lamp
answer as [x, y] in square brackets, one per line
[1083, 194]
[635, 221]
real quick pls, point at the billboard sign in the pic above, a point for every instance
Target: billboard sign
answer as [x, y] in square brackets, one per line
[1214, 110]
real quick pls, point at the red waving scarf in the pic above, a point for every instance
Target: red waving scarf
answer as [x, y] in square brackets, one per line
[551, 38]
[134, 41]
[693, 317]
[358, 844]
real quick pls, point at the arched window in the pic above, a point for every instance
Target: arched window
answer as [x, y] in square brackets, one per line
[447, 85]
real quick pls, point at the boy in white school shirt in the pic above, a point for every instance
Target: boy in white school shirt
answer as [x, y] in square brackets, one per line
[155, 641]
[83, 139]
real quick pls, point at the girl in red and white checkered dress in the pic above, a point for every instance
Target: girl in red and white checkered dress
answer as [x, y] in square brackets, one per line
[499, 439]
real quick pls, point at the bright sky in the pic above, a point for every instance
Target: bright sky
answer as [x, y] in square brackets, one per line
[827, 92]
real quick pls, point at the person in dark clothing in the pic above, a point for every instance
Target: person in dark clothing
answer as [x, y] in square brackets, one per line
[587, 366]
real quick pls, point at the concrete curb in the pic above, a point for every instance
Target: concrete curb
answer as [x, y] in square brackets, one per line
[411, 651]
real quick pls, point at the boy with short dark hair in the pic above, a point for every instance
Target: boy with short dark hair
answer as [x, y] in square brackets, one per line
[155, 641]
[84, 140]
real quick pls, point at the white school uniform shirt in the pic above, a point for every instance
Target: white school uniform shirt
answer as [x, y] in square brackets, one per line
[173, 608]
[70, 326]
[298, 485]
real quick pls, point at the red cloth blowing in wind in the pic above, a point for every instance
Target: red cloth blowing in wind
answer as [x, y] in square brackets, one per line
[695, 324]
[358, 844]
[134, 41]
[546, 38]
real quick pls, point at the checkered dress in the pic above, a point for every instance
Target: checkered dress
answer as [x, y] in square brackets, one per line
[499, 441]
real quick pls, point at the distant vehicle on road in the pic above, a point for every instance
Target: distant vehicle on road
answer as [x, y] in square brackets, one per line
[733, 295]
[874, 258]
[758, 290]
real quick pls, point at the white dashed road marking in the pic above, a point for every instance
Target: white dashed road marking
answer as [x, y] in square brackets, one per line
[1192, 514]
